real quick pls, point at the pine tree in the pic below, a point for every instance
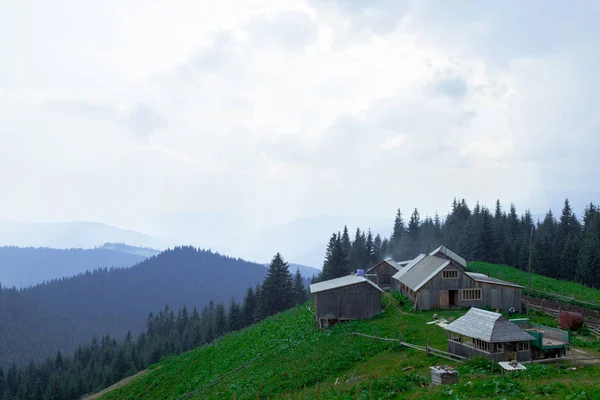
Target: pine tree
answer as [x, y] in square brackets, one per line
[234, 316]
[377, 249]
[413, 235]
[370, 250]
[220, 320]
[300, 295]
[346, 242]
[569, 242]
[336, 261]
[396, 238]
[277, 293]
[588, 266]
[248, 307]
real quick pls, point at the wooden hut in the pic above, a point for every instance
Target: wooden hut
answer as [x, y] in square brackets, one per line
[382, 273]
[440, 280]
[488, 334]
[346, 298]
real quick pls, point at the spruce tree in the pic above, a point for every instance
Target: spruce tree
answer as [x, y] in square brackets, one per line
[336, 260]
[377, 249]
[300, 295]
[346, 242]
[234, 316]
[413, 235]
[277, 292]
[397, 236]
[220, 320]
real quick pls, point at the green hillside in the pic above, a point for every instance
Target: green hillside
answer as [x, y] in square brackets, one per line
[539, 283]
[286, 356]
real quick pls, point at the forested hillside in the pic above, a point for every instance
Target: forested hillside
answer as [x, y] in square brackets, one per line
[103, 361]
[63, 313]
[27, 266]
[564, 247]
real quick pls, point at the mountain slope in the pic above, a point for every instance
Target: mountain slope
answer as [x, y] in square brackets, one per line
[288, 357]
[26, 266]
[58, 315]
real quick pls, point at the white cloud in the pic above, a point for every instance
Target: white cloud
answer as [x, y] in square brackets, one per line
[276, 112]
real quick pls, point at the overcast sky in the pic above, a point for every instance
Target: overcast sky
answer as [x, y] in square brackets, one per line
[126, 111]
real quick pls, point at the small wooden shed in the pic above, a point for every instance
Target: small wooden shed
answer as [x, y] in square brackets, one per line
[347, 298]
[488, 334]
[382, 273]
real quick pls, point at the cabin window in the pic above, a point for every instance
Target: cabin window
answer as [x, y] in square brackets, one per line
[523, 346]
[450, 274]
[471, 294]
[498, 347]
[455, 337]
[385, 278]
[481, 345]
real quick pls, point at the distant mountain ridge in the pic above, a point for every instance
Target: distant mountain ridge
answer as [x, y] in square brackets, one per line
[66, 235]
[27, 266]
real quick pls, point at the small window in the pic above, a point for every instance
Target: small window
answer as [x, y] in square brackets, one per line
[471, 294]
[450, 274]
[385, 279]
[523, 346]
[498, 348]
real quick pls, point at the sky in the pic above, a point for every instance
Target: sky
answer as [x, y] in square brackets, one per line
[142, 114]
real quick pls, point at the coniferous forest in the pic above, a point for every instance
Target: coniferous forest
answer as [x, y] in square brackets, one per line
[38, 321]
[106, 360]
[563, 246]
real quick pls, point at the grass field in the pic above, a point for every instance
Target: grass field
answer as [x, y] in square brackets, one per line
[288, 357]
[538, 282]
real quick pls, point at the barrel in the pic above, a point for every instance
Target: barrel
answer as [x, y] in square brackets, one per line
[360, 272]
[570, 320]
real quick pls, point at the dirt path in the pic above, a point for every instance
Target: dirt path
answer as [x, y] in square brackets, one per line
[117, 385]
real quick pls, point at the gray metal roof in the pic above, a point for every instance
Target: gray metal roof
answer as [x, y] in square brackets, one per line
[450, 254]
[488, 326]
[408, 266]
[390, 262]
[422, 271]
[484, 278]
[341, 282]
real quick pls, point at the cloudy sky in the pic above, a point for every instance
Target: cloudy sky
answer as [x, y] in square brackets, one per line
[134, 112]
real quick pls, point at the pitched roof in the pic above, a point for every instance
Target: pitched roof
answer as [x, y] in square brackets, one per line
[488, 326]
[407, 266]
[421, 272]
[389, 261]
[484, 278]
[341, 282]
[450, 254]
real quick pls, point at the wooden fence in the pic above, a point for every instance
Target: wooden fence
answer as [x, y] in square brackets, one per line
[592, 324]
[427, 348]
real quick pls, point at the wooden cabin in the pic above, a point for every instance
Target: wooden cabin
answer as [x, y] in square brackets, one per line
[488, 334]
[440, 280]
[382, 273]
[346, 298]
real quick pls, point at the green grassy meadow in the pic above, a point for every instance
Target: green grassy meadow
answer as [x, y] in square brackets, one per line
[539, 283]
[287, 357]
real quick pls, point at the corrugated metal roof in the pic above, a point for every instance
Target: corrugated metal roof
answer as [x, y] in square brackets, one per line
[488, 326]
[389, 261]
[421, 272]
[408, 266]
[450, 254]
[340, 282]
[484, 278]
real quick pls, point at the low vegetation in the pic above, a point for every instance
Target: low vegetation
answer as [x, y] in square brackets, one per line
[540, 284]
[286, 356]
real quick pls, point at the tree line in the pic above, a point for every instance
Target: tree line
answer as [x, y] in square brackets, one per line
[564, 247]
[101, 363]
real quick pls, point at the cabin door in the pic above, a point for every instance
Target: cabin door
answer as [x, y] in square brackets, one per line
[444, 299]
[453, 298]
[496, 299]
